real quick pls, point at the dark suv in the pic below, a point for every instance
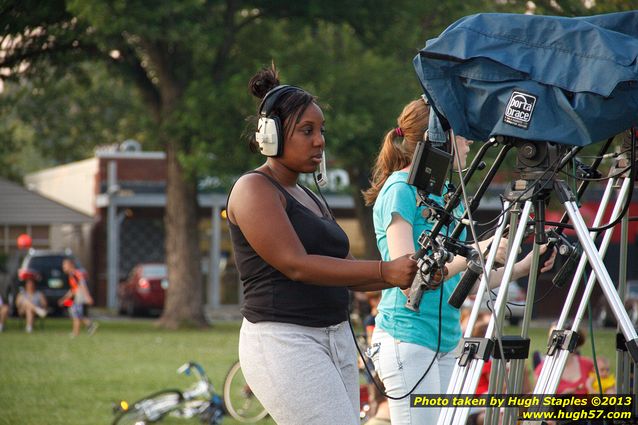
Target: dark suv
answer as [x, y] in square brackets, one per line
[45, 267]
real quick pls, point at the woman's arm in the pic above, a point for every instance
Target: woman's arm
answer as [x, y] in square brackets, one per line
[522, 267]
[258, 209]
[399, 237]
[65, 297]
[371, 287]
[400, 240]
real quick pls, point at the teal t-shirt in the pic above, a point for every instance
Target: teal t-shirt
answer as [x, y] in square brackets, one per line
[422, 328]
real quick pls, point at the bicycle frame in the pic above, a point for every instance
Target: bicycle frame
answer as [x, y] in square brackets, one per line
[200, 400]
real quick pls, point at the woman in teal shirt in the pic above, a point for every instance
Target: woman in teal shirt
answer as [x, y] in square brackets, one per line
[404, 342]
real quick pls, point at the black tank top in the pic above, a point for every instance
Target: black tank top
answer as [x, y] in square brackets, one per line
[269, 295]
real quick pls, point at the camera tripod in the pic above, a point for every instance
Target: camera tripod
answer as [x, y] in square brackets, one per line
[535, 161]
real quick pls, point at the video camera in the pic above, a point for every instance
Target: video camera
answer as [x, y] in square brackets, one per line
[520, 78]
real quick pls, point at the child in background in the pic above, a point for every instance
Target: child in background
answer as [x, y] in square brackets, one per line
[607, 380]
[369, 321]
[79, 294]
[30, 303]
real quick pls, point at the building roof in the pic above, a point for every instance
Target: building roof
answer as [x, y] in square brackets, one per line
[21, 206]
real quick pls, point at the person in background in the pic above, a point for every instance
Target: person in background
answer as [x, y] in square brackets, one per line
[381, 415]
[372, 298]
[295, 346]
[576, 372]
[577, 368]
[4, 312]
[370, 320]
[80, 296]
[406, 342]
[31, 303]
[607, 379]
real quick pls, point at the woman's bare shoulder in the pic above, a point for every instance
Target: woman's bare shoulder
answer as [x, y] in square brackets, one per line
[253, 191]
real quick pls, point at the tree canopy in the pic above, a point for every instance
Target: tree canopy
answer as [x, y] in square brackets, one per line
[83, 72]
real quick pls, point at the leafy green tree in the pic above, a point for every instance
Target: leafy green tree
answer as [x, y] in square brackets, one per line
[364, 78]
[53, 120]
[607, 6]
[188, 61]
[171, 52]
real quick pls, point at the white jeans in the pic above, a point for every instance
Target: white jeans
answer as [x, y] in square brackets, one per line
[400, 365]
[302, 375]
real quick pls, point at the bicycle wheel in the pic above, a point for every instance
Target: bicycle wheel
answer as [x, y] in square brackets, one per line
[239, 400]
[150, 409]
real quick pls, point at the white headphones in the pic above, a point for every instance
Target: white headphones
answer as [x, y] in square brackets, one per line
[270, 130]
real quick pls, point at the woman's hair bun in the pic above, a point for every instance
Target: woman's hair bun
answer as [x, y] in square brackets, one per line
[264, 81]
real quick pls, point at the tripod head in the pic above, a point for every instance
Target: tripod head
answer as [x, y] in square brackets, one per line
[534, 159]
[534, 162]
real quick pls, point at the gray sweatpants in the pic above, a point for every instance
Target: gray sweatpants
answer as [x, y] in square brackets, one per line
[302, 375]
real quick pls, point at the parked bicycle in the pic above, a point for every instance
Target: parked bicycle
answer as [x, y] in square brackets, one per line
[199, 401]
[239, 400]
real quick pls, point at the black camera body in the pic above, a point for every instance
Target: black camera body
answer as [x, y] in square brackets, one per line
[429, 167]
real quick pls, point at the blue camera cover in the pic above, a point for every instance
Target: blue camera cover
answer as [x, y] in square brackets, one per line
[572, 81]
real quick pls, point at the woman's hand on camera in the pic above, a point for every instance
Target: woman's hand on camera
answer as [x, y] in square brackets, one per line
[550, 261]
[526, 262]
[399, 272]
[501, 254]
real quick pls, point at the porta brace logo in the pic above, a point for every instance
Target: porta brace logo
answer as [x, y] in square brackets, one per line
[519, 109]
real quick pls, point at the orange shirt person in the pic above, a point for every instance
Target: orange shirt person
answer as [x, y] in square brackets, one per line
[78, 296]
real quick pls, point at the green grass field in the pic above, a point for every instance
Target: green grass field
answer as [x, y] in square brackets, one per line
[48, 378]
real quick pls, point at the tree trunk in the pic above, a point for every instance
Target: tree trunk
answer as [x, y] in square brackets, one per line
[359, 181]
[184, 297]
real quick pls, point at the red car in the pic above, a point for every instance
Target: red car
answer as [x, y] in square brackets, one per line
[143, 291]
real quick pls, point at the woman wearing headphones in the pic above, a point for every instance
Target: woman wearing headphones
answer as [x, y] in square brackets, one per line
[295, 347]
[405, 342]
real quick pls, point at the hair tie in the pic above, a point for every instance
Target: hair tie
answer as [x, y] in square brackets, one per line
[398, 131]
